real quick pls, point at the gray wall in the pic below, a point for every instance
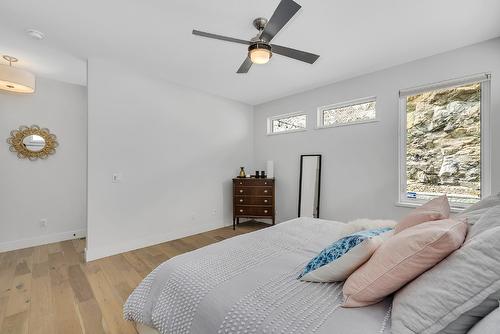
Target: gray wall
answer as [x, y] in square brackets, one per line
[54, 188]
[176, 149]
[360, 162]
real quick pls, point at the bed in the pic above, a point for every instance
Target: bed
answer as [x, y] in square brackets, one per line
[247, 284]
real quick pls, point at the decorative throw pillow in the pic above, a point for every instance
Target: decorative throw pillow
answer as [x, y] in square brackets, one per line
[455, 293]
[401, 258]
[490, 324]
[337, 261]
[436, 209]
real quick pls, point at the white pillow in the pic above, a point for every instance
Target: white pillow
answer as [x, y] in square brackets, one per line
[475, 211]
[466, 320]
[490, 324]
[340, 259]
[457, 292]
[488, 220]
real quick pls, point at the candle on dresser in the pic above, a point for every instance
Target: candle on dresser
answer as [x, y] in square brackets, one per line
[270, 169]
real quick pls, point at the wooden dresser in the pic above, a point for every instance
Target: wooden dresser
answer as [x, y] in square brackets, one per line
[253, 198]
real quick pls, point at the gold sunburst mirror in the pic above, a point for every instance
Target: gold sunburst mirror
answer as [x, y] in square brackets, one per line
[32, 142]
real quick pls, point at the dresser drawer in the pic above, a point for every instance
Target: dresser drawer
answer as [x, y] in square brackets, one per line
[253, 211]
[253, 191]
[253, 182]
[248, 200]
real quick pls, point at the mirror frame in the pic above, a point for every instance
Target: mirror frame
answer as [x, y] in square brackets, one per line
[319, 179]
[17, 146]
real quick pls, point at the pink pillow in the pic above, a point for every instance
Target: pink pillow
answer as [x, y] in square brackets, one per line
[401, 258]
[436, 209]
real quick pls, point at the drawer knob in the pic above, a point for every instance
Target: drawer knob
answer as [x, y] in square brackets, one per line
[241, 190]
[241, 200]
[241, 210]
[265, 191]
[241, 182]
[265, 182]
[265, 201]
[265, 211]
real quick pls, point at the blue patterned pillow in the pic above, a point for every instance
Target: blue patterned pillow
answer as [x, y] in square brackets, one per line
[337, 261]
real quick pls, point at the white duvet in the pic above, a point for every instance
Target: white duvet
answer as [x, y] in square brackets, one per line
[247, 284]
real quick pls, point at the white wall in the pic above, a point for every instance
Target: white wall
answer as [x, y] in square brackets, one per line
[54, 188]
[360, 162]
[176, 149]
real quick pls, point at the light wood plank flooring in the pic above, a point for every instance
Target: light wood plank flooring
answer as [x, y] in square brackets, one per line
[49, 289]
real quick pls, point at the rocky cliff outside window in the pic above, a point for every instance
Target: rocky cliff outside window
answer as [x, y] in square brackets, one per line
[287, 123]
[444, 142]
[348, 113]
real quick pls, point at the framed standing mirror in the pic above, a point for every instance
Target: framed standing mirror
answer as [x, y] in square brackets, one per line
[309, 185]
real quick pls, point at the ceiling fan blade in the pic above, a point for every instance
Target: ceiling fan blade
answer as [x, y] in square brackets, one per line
[283, 13]
[224, 38]
[245, 66]
[295, 54]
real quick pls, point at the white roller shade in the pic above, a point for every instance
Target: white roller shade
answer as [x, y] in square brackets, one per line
[444, 84]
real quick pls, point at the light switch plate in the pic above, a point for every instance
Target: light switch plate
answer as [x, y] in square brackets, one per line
[117, 178]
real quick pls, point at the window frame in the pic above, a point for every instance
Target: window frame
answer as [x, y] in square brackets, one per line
[320, 112]
[484, 79]
[277, 117]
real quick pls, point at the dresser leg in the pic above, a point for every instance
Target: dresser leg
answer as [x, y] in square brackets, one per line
[234, 223]
[238, 221]
[273, 220]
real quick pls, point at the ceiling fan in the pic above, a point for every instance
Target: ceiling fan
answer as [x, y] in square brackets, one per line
[260, 50]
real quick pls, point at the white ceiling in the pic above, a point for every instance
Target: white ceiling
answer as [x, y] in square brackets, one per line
[352, 36]
[40, 57]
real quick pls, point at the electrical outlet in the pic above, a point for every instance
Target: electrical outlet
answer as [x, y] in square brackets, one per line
[43, 223]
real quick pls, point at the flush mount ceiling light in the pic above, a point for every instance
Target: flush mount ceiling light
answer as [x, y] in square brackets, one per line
[14, 79]
[35, 34]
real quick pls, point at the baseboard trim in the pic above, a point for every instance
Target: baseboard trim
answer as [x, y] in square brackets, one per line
[41, 240]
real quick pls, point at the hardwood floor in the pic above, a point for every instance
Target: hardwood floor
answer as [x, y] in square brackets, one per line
[49, 289]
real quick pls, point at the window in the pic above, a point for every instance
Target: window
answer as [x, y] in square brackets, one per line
[357, 111]
[287, 123]
[444, 141]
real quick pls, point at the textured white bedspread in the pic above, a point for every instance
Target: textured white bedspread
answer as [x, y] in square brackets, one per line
[247, 284]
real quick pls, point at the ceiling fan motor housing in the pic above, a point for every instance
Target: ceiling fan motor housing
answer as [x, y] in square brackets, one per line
[260, 23]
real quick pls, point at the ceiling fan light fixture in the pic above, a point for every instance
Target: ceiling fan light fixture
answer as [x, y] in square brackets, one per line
[259, 53]
[14, 79]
